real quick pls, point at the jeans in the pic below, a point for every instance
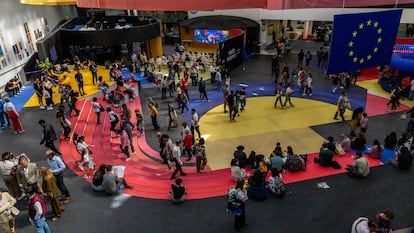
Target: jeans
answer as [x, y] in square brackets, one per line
[177, 168]
[41, 225]
[3, 119]
[61, 185]
[218, 83]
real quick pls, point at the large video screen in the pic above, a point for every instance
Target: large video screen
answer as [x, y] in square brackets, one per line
[210, 36]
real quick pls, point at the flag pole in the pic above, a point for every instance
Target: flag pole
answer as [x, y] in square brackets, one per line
[396, 4]
[343, 6]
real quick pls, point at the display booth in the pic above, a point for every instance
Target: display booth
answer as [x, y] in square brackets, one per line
[227, 37]
[108, 35]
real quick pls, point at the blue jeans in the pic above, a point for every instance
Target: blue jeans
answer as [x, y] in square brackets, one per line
[41, 225]
[3, 119]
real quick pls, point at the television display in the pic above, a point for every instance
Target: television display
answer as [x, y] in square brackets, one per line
[210, 36]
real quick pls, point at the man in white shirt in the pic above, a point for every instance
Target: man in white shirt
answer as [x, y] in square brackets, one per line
[213, 74]
[195, 124]
[176, 158]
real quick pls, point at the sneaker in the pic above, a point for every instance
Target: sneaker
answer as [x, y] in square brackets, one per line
[133, 152]
[49, 108]
[310, 94]
[127, 159]
[42, 107]
[21, 197]
[54, 219]
[81, 168]
[303, 94]
[86, 176]
[66, 201]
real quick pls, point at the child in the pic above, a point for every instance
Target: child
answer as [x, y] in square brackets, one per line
[276, 185]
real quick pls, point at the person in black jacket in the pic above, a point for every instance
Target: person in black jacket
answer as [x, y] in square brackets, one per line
[403, 159]
[240, 155]
[49, 136]
[390, 141]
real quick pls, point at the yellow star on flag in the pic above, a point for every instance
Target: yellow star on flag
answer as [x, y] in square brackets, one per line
[350, 44]
[361, 26]
[369, 22]
[379, 40]
[361, 60]
[351, 53]
[375, 24]
[355, 59]
[369, 57]
[379, 30]
[375, 49]
[354, 34]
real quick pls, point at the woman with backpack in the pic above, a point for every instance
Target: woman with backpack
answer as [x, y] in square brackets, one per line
[275, 183]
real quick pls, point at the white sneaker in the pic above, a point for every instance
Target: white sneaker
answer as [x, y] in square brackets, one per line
[133, 152]
[86, 176]
[49, 108]
[42, 107]
[127, 159]
[81, 168]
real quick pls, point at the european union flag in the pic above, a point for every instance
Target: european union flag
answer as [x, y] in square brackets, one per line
[363, 40]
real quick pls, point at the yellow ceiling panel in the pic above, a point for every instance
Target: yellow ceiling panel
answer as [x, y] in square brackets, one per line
[49, 2]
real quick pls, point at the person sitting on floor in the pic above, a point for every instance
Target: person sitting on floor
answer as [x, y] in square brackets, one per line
[293, 162]
[236, 171]
[257, 186]
[112, 183]
[240, 155]
[325, 156]
[359, 142]
[403, 159]
[275, 183]
[276, 160]
[390, 141]
[345, 142]
[383, 220]
[97, 180]
[251, 160]
[178, 191]
[376, 150]
[360, 167]
[330, 144]
[262, 163]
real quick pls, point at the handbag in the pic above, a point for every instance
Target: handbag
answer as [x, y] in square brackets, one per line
[13, 171]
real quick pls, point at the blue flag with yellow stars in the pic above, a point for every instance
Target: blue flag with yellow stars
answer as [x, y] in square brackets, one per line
[363, 40]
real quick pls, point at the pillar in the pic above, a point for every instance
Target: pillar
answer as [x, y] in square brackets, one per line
[306, 29]
[155, 47]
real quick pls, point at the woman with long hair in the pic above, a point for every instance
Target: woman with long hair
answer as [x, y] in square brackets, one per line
[376, 150]
[241, 197]
[52, 191]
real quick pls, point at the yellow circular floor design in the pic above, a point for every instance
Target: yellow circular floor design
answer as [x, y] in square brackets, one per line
[260, 126]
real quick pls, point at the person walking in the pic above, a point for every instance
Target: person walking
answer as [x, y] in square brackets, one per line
[202, 90]
[37, 211]
[49, 136]
[218, 79]
[97, 108]
[140, 119]
[154, 116]
[56, 165]
[200, 154]
[13, 115]
[288, 96]
[231, 102]
[176, 158]
[128, 127]
[279, 93]
[51, 190]
[195, 124]
[64, 122]
[73, 98]
[188, 144]
[340, 106]
[308, 58]
[125, 143]
[113, 119]
[79, 80]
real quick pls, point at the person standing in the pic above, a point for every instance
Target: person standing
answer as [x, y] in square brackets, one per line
[154, 116]
[195, 124]
[94, 72]
[38, 88]
[226, 93]
[79, 80]
[37, 211]
[140, 119]
[128, 126]
[319, 55]
[13, 115]
[113, 119]
[97, 108]
[301, 55]
[64, 122]
[217, 78]
[172, 116]
[125, 142]
[231, 102]
[184, 101]
[3, 116]
[51, 190]
[56, 166]
[176, 158]
[285, 73]
[308, 58]
[340, 106]
[212, 74]
[242, 97]
[49, 136]
[7, 165]
[188, 144]
[27, 174]
[309, 85]
[364, 122]
[7, 213]
[200, 154]
[241, 197]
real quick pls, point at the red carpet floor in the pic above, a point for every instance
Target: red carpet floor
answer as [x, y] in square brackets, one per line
[376, 105]
[149, 178]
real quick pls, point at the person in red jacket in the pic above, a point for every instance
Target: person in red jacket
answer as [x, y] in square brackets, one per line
[37, 211]
[188, 144]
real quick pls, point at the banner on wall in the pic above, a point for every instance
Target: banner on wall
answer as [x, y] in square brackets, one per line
[230, 52]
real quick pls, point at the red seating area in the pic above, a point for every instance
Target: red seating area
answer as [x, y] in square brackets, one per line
[149, 178]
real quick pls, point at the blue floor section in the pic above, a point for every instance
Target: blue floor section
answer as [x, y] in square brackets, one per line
[126, 75]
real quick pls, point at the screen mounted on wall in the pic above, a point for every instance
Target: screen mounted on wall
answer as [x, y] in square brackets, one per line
[210, 36]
